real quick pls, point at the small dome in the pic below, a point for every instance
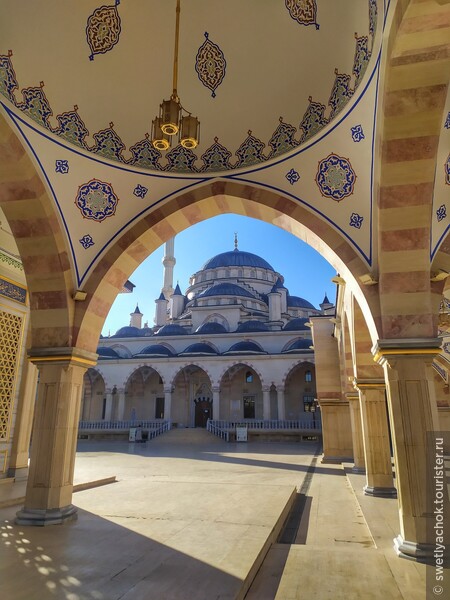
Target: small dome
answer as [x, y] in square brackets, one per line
[252, 326]
[297, 302]
[298, 324]
[156, 350]
[171, 329]
[127, 332]
[211, 327]
[198, 349]
[302, 345]
[245, 348]
[236, 258]
[226, 289]
[107, 353]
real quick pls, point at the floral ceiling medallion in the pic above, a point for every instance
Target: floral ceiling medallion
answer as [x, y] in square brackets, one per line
[210, 65]
[303, 11]
[103, 29]
[335, 177]
[96, 200]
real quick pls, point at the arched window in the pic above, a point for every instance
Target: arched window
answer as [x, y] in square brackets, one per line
[249, 377]
[308, 376]
[240, 273]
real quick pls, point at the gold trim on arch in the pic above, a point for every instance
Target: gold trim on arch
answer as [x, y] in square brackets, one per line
[382, 352]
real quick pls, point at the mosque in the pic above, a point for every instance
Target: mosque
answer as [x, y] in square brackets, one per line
[124, 123]
[235, 347]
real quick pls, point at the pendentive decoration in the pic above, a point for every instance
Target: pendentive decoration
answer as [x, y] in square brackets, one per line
[441, 212]
[303, 11]
[356, 220]
[103, 29]
[292, 176]
[62, 166]
[210, 65]
[447, 121]
[96, 200]
[357, 133]
[86, 241]
[335, 177]
[140, 191]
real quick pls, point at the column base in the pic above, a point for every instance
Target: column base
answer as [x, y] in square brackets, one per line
[336, 460]
[381, 492]
[19, 473]
[43, 517]
[423, 553]
[360, 470]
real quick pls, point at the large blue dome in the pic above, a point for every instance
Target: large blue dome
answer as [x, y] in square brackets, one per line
[297, 302]
[236, 258]
[226, 289]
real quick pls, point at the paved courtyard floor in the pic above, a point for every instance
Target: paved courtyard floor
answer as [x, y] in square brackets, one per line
[191, 517]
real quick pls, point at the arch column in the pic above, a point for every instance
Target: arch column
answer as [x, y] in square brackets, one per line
[18, 465]
[168, 403]
[281, 403]
[379, 477]
[408, 370]
[50, 482]
[266, 402]
[359, 465]
[216, 403]
[121, 404]
[109, 405]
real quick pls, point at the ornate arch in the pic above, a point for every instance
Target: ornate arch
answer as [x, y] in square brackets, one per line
[244, 363]
[193, 364]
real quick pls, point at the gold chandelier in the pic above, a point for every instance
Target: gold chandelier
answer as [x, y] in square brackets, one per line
[174, 122]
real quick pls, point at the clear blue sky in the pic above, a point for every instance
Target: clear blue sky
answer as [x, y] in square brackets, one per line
[306, 273]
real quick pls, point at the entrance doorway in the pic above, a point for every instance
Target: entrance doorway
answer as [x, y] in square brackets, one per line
[203, 412]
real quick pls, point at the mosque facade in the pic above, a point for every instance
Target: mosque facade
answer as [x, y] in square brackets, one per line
[235, 346]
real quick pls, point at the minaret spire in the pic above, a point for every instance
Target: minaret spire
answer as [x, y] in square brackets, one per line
[168, 263]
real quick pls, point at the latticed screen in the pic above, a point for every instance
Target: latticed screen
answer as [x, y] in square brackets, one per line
[10, 329]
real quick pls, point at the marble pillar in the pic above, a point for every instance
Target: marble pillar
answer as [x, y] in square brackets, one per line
[281, 404]
[121, 405]
[109, 405]
[167, 403]
[18, 464]
[336, 431]
[50, 482]
[359, 465]
[266, 403]
[375, 428]
[408, 371]
[216, 403]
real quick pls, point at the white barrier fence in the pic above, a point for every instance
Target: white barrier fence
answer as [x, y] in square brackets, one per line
[154, 428]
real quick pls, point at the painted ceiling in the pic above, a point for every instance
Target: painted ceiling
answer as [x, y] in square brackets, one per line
[286, 92]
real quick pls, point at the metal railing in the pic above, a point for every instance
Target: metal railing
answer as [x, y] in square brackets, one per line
[154, 428]
[223, 434]
[268, 425]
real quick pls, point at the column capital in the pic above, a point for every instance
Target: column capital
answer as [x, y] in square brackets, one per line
[390, 349]
[168, 389]
[352, 396]
[332, 401]
[66, 355]
[364, 384]
[280, 388]
[215, 389]
[265, 389]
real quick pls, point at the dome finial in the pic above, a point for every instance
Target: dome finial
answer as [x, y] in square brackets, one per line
[235, 241]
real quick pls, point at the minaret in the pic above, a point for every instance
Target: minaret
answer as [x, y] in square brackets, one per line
[136, 318]
[168, 262]
[326, 306]
[161, 311]
[176, 303]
